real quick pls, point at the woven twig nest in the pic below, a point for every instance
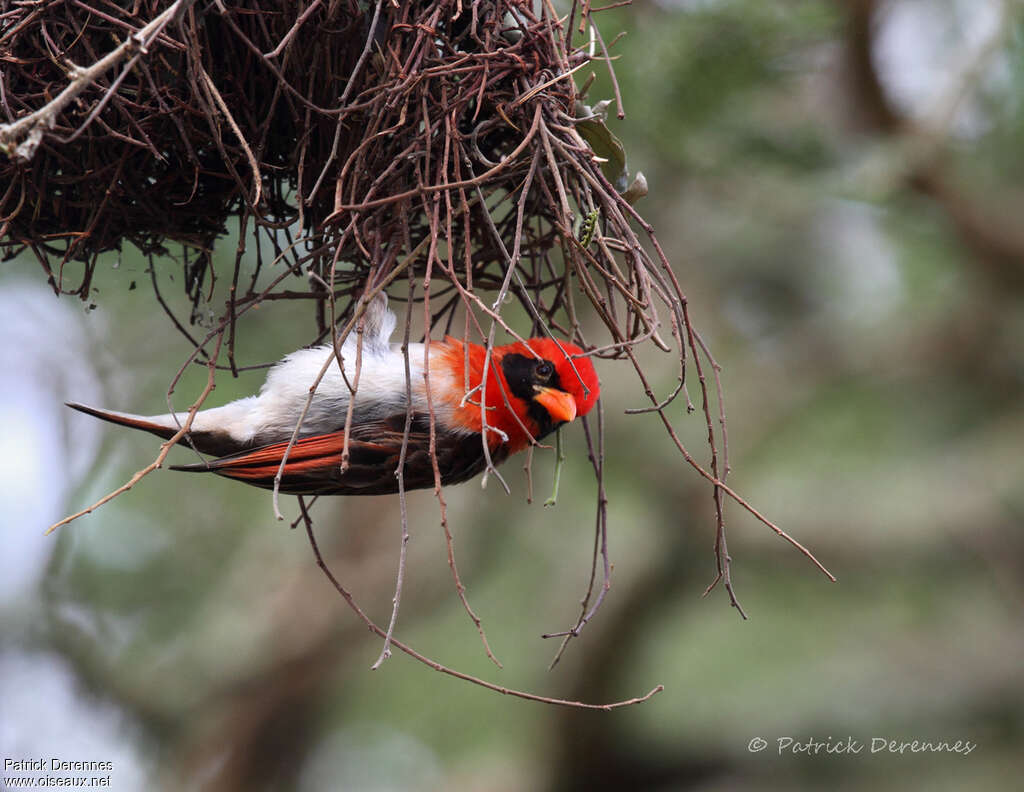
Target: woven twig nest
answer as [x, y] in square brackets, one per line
[351, 131]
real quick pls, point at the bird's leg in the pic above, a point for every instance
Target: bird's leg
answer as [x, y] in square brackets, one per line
[559, 459]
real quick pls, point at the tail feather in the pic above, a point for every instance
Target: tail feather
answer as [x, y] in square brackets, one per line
[145, 423]
[212, 442]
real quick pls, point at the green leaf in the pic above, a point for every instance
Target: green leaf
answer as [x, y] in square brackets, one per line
[592, 128]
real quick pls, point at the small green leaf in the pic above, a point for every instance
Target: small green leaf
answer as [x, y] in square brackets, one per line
[592, 128]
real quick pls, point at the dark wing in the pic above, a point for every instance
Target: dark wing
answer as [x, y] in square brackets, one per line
[313, 466]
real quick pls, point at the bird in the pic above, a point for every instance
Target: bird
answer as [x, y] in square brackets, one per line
[532, 388]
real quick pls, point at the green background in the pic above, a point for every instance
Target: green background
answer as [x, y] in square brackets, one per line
[872, 341]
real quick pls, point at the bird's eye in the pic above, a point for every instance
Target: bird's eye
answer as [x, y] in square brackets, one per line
[544, 371]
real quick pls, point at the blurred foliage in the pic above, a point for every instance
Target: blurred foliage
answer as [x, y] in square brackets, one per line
[873, 354]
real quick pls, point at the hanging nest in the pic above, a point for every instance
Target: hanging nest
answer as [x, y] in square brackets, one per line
[354, 143]
[350, 131]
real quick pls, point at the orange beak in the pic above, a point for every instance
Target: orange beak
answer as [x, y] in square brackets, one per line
[560, 405]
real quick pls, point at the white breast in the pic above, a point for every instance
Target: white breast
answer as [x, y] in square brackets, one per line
[381, 388]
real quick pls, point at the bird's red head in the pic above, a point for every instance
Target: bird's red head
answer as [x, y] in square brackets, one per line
[532, 388]
[574, 374]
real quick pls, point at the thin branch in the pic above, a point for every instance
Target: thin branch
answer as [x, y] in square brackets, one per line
[165, 447]
[385, 651]
[505, 691]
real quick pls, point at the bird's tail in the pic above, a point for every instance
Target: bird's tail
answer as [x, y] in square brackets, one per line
[215, 442]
